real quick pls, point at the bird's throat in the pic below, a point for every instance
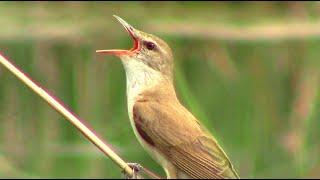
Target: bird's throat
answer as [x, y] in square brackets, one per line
[140, 77]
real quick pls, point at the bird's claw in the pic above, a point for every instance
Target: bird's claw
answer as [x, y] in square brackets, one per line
[136, 168]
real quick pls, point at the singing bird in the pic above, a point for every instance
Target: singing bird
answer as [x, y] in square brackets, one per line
[163, 126]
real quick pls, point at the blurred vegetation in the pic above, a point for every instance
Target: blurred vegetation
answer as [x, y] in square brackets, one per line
[257, 91]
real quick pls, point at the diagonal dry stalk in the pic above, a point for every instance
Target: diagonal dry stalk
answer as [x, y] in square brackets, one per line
[71, 118]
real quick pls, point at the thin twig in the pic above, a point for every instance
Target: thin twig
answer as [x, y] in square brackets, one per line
[274, 31]
[68, 115]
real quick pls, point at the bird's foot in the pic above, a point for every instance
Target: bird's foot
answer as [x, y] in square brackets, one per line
[136, 168]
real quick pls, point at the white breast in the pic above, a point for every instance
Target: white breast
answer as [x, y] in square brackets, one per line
[139, 77]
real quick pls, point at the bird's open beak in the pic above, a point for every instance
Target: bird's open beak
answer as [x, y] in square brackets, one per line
[133, 34]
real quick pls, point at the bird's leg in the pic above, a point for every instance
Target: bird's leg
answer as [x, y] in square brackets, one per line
[136, 168]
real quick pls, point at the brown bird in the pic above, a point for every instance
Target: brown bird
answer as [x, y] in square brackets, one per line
[163, 126]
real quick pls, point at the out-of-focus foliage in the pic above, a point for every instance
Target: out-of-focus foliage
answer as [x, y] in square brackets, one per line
[258, 96]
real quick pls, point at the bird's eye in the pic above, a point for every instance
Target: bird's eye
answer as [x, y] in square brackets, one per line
[150, 45]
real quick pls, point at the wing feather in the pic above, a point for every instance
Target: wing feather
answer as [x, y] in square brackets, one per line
[180, 137]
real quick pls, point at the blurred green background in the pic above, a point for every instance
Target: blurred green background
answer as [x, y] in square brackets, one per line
[249, 70]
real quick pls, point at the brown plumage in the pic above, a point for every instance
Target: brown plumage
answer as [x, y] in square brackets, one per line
[179, 136]
[164, 127]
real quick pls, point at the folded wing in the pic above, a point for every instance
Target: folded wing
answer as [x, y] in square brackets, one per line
[179, 136]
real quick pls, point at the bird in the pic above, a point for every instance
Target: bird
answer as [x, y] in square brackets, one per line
[170, 133]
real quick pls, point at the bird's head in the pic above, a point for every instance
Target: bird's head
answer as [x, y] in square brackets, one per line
[147, 50]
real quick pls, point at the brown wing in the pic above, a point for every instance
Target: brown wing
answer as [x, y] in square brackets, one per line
[178, 135]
